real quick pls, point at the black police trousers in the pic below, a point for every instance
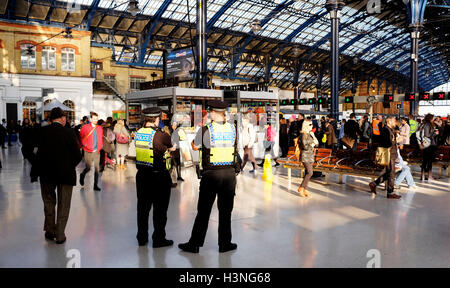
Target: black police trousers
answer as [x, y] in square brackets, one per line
[153, 189]
[223, 184]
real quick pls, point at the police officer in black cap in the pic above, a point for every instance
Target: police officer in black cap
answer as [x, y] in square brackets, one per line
[153, 182]
[217, 144]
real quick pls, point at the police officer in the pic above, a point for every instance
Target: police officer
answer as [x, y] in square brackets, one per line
[217, 144]
[153, 182]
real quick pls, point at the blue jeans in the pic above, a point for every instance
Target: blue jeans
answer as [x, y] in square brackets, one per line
[405, 173]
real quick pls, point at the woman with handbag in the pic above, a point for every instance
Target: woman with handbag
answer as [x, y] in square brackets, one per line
[387, 156]
[307, 142]
[122, 143]
[428, 133]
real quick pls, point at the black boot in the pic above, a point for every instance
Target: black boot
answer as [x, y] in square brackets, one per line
[96, 188]
[188, 247]
[82, 175]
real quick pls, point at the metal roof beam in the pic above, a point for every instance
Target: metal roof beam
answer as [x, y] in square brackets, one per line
[149, 30]
[219, 13]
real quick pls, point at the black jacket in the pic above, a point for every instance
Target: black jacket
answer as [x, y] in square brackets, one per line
[351, 129]
[388, 139]
[57, 156]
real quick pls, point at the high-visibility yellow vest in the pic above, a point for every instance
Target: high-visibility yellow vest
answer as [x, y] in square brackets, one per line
[222, 139]
[144, 146]
[375, 128]
[413, 127]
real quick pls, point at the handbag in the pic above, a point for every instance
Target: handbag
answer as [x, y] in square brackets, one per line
[348, 142]
[122, 139]
[424, 142]
[383, 156]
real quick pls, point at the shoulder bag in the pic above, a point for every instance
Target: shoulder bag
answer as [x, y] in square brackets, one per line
[383, 156]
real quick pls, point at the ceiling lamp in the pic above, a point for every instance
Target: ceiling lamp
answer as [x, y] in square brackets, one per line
[296, 51]
[396, 66]
[30, 51]
[68, 33]
[427, 72]
[133, 7]
[256, 26]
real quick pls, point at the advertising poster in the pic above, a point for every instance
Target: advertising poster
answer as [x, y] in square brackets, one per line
[180, 63]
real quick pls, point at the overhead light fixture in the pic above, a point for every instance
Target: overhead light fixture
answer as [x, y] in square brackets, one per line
[396, 66]
[30, 51]
[373, 89]
[296, 51]
[355, 60]
[427, 72]
[256, 26]
[68, 33]
[133, 7]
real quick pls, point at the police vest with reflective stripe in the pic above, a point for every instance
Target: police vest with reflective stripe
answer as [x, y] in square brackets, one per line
[222, 140]
[144, 146]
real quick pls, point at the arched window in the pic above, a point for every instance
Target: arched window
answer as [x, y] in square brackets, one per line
[70, 115]
[68, 59]
[48, 58]
[28, 56]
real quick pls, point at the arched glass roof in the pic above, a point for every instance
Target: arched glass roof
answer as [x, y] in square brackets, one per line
[378, 39]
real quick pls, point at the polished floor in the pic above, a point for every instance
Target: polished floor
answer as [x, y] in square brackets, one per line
[271, 224]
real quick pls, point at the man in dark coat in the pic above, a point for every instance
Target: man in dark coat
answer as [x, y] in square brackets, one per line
[55, 163]
[351, 129]
[388, 139]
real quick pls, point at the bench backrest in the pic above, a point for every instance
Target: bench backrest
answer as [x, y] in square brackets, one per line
[322, 153]
[443, 153]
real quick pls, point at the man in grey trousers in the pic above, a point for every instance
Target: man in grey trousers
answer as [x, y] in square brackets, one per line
[56, 159]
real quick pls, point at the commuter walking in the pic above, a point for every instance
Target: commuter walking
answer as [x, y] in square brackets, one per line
[404, 133]
[56, 159]
[284, 139]
[176, 155]
[92, 140]
[122, 143]
[108, 144]
[351, 132]
[331, 136]
[12, 129]
[341, 134]
[3, 133]
[388, 139]
[28, 140]
[428, 133]
[248, 135]
[366, 129]
[307, 142]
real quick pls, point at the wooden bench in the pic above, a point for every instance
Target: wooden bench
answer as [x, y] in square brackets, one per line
[343, 162]
[414, 156]
[443, 159]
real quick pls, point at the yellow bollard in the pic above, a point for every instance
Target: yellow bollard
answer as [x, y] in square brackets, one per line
[267, 172]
